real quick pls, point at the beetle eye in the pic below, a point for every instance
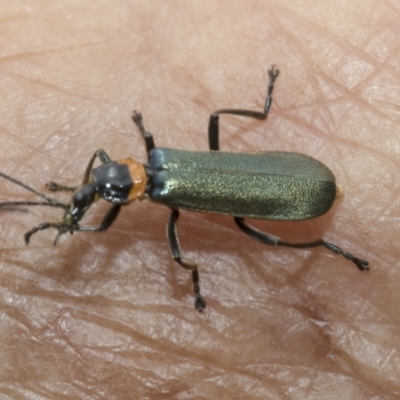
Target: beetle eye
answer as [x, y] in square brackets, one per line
[84, 196]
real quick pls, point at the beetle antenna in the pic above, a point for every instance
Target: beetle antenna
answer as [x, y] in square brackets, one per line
[49, 201]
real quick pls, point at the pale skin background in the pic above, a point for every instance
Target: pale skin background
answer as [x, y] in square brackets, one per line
[110, 315]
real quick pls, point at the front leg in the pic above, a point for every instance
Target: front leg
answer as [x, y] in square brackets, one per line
[147, 136]
[104, 158]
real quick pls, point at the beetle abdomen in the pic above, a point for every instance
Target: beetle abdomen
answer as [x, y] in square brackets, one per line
[266, 185]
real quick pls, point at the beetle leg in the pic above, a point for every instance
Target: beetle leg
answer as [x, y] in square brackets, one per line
[273, 74]
[267, 238]
[147, 136]
[64, 227]
[108, 219]
[104, 158]
[172, 235]
[42, 227]
[56, 187]
[213, 124]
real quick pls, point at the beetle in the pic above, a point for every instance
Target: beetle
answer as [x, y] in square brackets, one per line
[265, 185]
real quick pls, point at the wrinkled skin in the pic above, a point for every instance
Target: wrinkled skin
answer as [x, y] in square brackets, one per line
[109, 315]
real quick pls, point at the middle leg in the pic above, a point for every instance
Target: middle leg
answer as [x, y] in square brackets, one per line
[147, 136]
[213, 125]
[172, 235]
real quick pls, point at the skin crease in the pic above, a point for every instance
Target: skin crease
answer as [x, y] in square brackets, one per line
[109, 315]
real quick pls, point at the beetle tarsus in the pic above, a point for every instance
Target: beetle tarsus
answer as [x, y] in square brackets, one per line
[199, 303]
[273, 73]
[361, 264]
[40, 227]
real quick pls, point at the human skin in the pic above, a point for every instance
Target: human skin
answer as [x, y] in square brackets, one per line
[109, 315]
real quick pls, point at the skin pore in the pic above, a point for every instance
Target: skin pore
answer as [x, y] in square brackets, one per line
[109, 315]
